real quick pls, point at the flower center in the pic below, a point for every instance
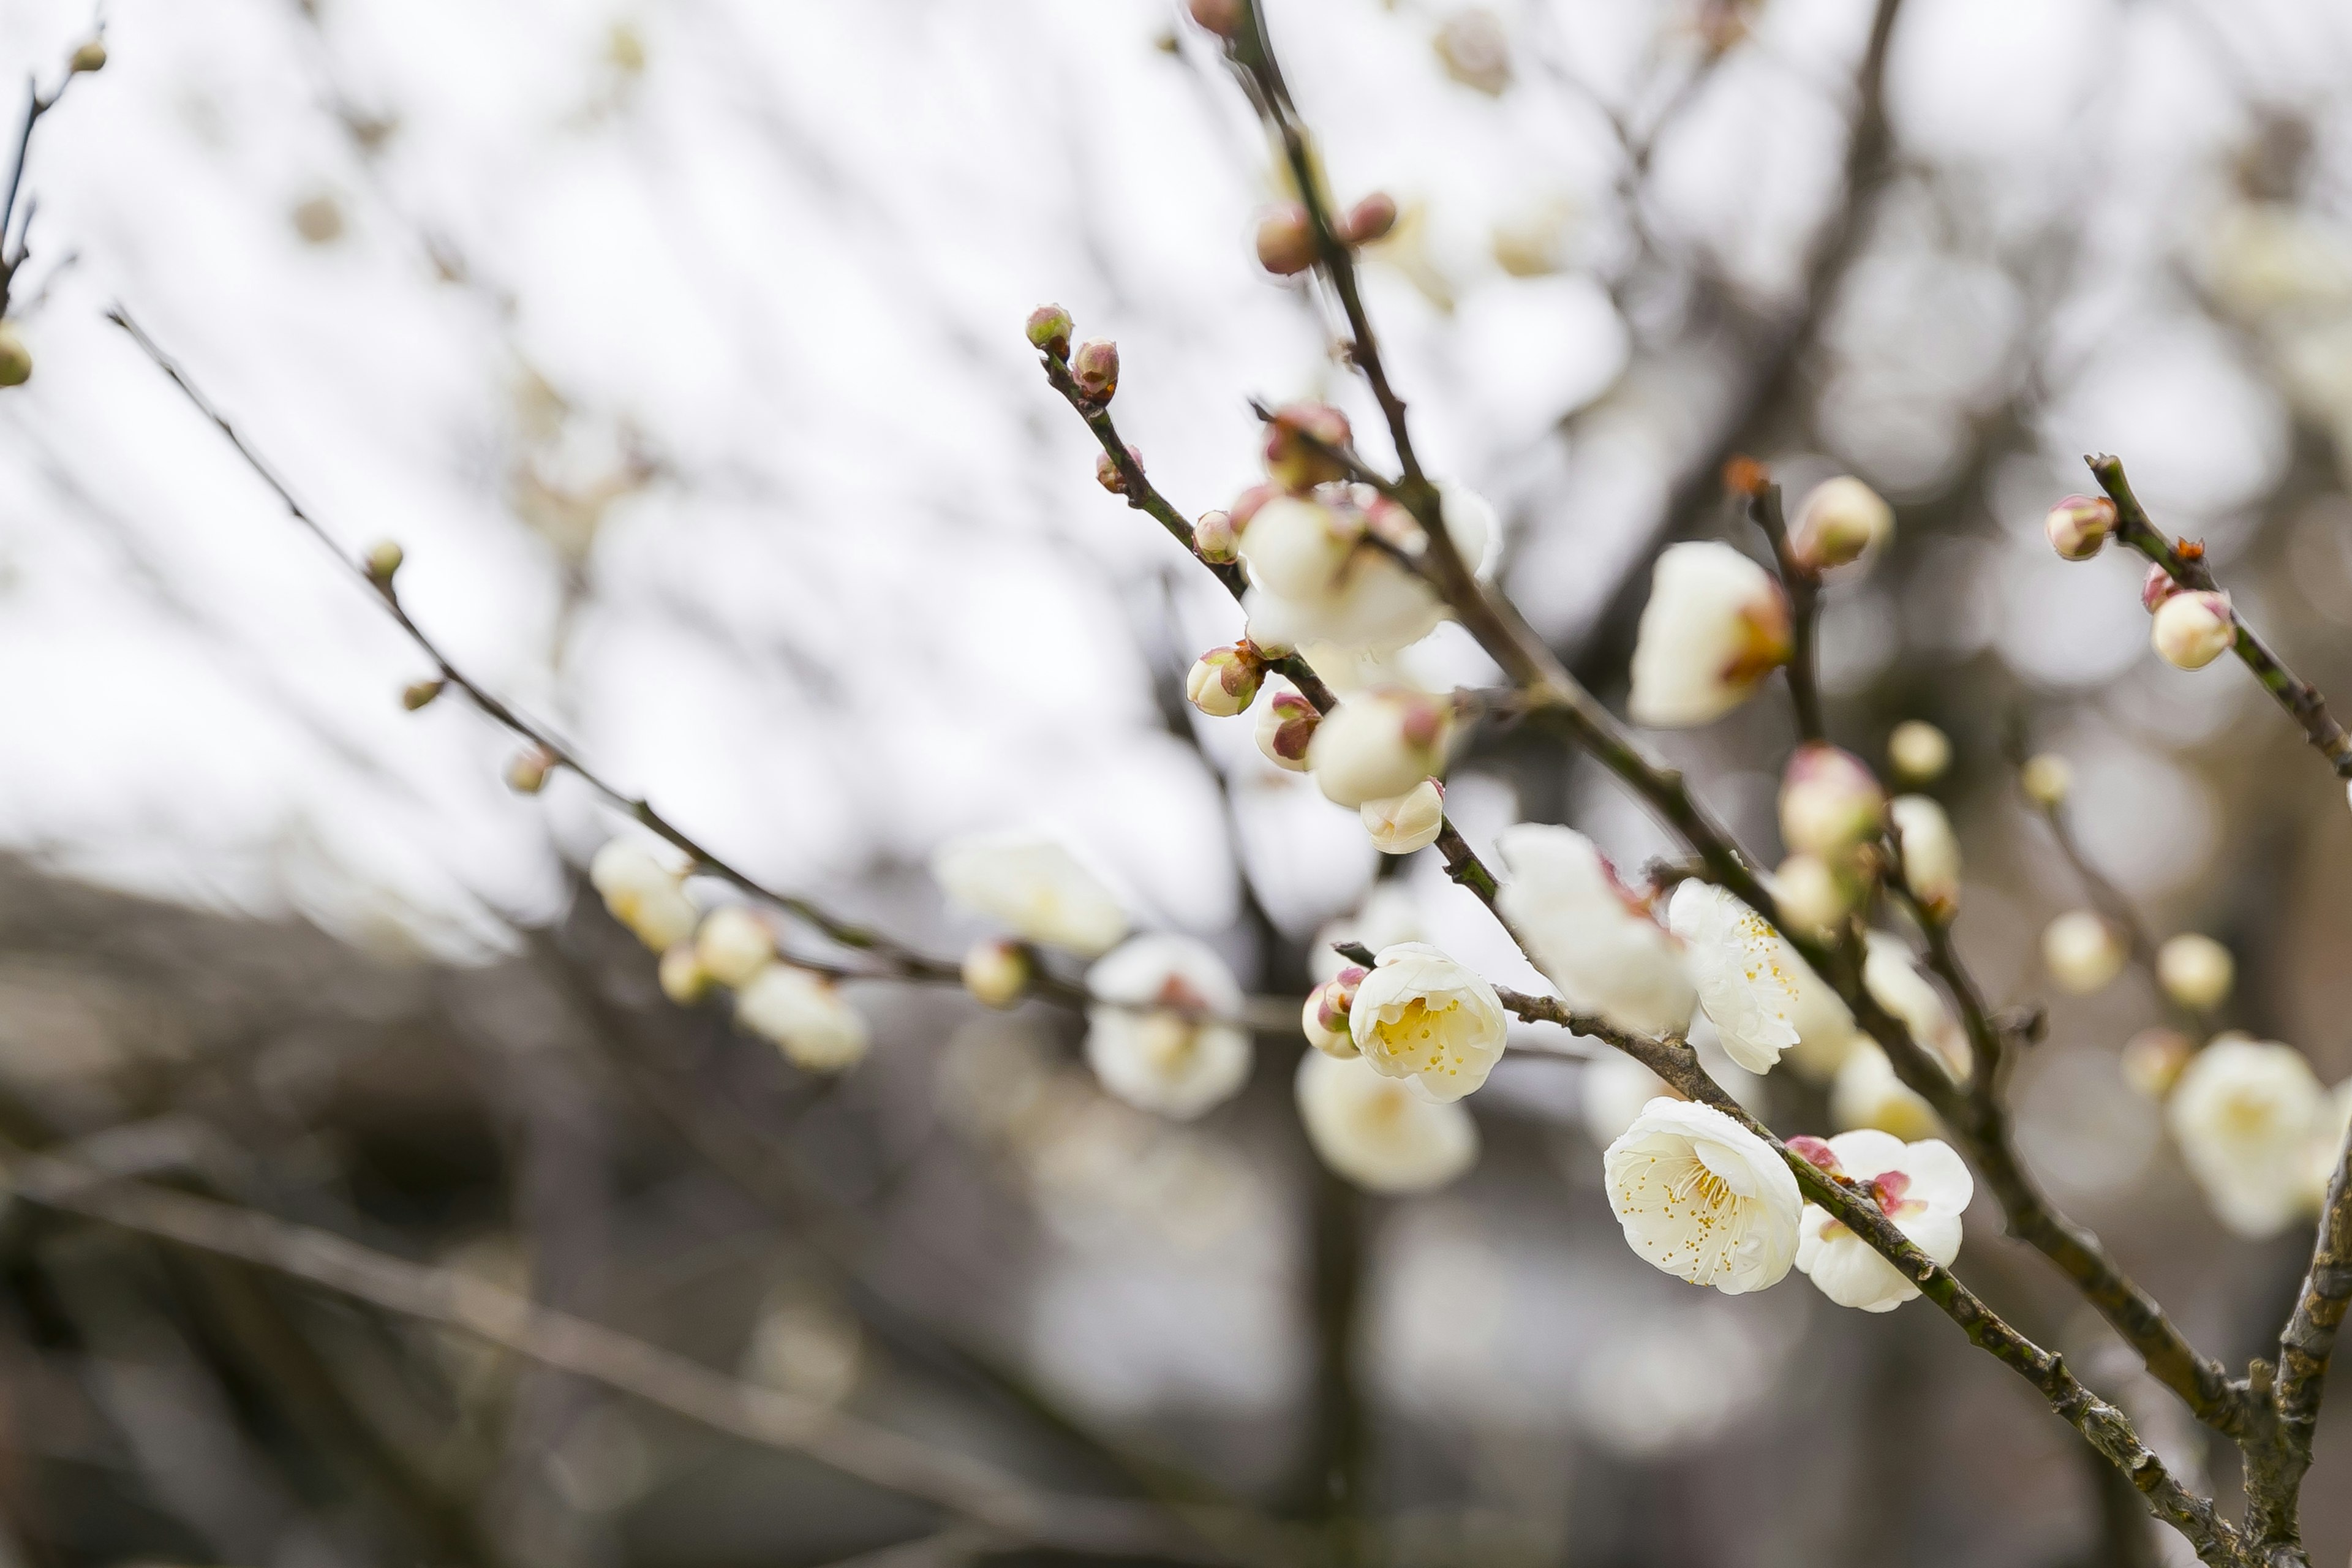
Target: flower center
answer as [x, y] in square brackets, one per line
[1415, 1039]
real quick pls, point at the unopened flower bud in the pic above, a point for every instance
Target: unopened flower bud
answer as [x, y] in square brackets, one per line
[1930, 850]
[1049, 330]
[528, 769]
[2082, 951]
[1106, 472]
[1224, 680]
[383, 559]
[418, 693]
[733, 943]
[1920, 751]
[90, 56]
[683, 979]
[2046, 778]
[2078, 526]
[1215, 538]
[1829, 803]
[1837, 521]
[15, 359]
[1813, 897]
[997, 973]
[1816, 1153]
[1370, 219]
[1286, 241]
[2196, 972]
[1222, 18]
[1094, 367]
[1284, 727]
[2191, 629]
[1298, 441]
[1379, 743]
[1402, 824]
[1325, 1016]
[2156, 588]
[2153, 1060]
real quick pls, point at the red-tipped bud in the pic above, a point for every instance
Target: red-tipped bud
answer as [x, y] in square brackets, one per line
[1285, 725]
[1298, 444]
[1224, 680]
[2079, 525]
[1094, 367]
[1108, 475]
[1215, 540]
[1816, 1153]
[1286, 241]
[2156, 588]
[1370, 219]
[1049, 330]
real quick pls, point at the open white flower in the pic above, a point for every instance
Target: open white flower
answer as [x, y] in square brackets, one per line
[1703, 1198]
[804, 1013]
[1715, 624]
[1033, 885]
[1589, 933]
[1160, 1034]
[1866, 1093]
[1379, 743]
[645, 891]
[1377, 1133]
[1420, 1016]
[1408, 821]
[1314, 580]
[2245, 1113]
[1762, 999]
[1923, 1187]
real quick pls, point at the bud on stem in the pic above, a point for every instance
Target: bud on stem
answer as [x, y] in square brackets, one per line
[1286, 241]
[419, 693]
[90, 56]
[1224, 680]
[2078, 526]
[527, 772]
[1215, 540]
[1049, 330]
[1107, 474]
[1094, 367]
[383, 559]
[1370, 219]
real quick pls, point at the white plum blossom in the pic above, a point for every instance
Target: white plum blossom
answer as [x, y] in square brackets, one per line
[733, 945]
[1376, 1132]
[804, 1013]
[2245, 1114]
[1715, 624]
[1865, 1092]
[1379, 743]
[1420, 1016]
[1033, 885]
[1315, 579]
[1931, 852]
[645, 891]
[1162, 1034]
[1402, 824]
[1922, 1186]
[1703, 1198]
[1590, 934]
[1761, 997]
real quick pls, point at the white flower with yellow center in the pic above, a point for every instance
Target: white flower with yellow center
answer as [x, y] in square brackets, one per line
[805, 1015]
[1715, 624]
[1591, 935]
[645, 891]
[2245, 1114]
[1703, 1198]
[1762, 999]
[1377, 1133]
[1034, 886]
[1162, 1034]
[1923, 1187]
[1420, 1016]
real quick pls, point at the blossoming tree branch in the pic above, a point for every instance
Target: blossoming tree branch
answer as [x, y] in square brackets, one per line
[1839, 964]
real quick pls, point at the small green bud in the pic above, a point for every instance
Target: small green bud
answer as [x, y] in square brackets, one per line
[419, 693]
[1049, 330]
[90, 56]
[383, 559]
[15, 359]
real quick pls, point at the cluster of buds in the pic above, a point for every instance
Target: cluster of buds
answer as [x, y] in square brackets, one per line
[2078, 526]
[1325, 1016]
[1286, 727]
[645, 891]
[1300, 441]
[798, 1010]
[1224, 680]
[1837, 522]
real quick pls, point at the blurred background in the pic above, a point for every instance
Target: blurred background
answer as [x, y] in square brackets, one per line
[679, 344]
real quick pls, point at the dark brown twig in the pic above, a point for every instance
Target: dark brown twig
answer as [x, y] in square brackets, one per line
[1804, 598]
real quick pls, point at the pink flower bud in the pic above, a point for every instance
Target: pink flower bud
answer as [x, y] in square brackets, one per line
[1224, 680]
[1106, 472]
[1285, 726]
[1222, 18]
[1049, 330]
[2193, 628]
[1816, 1152]
[1296, 442]
[1215, 540]
[2156, 588]
[1094, 367]
[1370, 219]
[1324, 1019]
[1829, 802]
[1286, 241]
[1246, 504]
[2079, 525]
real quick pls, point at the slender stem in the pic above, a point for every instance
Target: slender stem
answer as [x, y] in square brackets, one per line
[1804, 599]
[2305, 1346]
[2184, 563]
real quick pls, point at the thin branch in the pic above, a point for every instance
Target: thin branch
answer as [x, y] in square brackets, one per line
[2304, 1347]
[37, 104]
[964, 1487]
[1804, 598]
[2184, 563]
